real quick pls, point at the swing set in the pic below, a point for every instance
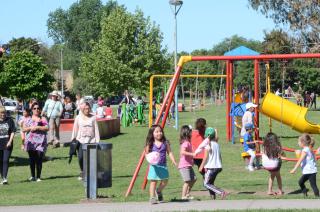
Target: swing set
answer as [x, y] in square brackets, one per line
[272, 105]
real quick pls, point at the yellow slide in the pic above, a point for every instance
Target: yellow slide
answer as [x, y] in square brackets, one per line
[291, 114]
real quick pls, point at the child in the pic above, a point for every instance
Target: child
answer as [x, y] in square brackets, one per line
[196, 139]
[99, 111]
[271, 161]
[25, 116]
[212, 163]
[249, 145]
[186, 162]
[156, 141]
[108, 112]
[308, 165]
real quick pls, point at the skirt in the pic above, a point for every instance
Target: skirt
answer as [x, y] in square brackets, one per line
[158, 172]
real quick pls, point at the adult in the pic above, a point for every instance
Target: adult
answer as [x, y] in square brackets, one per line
[85, 130]
[53, 110]
[278, 93]
[127, 98]
[247, 117]
[7, 130]
[68, 108]
[36, 129]
[313, 100]
[306, 99]
[19, 110]
[79, 103]
[100, 100]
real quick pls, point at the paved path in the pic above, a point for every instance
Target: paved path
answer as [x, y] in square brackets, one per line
[172, 206]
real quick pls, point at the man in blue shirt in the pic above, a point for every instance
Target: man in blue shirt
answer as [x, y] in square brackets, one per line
[249, 145]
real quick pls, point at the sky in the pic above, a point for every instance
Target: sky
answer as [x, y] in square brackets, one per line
[201, 23]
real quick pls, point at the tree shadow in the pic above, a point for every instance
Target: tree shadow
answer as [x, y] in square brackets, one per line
[246, 192]
[18, 161]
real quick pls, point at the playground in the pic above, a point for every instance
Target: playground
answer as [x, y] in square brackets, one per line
[60, 183]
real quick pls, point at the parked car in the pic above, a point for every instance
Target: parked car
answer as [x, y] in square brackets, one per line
[114, 100]
[10, 106]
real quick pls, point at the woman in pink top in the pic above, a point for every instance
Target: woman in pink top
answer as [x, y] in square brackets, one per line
[186, 162]
[85, 130]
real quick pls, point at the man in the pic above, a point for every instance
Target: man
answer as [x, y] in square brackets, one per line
[53, 110]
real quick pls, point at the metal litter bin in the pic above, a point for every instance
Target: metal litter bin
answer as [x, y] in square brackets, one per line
[97, 167]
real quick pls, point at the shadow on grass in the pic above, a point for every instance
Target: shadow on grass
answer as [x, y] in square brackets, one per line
[181, 200]
[286, 136]
[60, 177]
[122, 176]
[297, 191]
[19, 161]
[246, 192]
[49, 158]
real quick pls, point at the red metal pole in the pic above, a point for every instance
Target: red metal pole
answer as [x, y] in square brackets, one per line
[166, 113]
[256, 97]
[256, 57]
[228, 99]
[231, 97]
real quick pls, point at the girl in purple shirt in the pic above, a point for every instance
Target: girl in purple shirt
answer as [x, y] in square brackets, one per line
[156, 141]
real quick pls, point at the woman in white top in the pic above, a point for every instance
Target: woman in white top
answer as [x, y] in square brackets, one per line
[85, 130]
[247, 117]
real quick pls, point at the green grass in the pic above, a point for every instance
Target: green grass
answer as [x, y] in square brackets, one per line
[60, 184]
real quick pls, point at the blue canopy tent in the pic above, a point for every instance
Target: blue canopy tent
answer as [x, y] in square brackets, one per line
[238, 109]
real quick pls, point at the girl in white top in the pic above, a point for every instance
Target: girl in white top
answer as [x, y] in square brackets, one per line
[307, 161]
[271, 161]
[212, 163]
[85, 130]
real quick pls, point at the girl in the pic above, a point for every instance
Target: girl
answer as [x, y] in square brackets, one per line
[25, 116]
[7, 130]
[212, 163]
[271, 160]
[196, 139]
[36, 129]
[156, 141]
[186, 162]
[308, 165]
[85, 130]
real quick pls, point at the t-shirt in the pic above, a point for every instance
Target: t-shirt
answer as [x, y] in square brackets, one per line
[246, 119]
[196, 140]
[308, 165]
[99, 112]
[7, 127]
[53, 109]
[162, 149]
[214, 156]
[185, 160]
[247, 138]
[108, 112]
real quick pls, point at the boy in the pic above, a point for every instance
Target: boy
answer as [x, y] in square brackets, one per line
[249, 144]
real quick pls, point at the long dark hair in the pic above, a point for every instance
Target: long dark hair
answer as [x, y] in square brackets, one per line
[272, 146]
[185, 133]
[201, 125]
[150, 137]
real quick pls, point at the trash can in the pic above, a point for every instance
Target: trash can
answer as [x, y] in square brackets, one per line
[97, 167]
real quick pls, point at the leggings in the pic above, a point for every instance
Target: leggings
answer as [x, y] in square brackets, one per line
[313, 182]
[35, 159]
[209, 179]
[80, 157]
[4, 162]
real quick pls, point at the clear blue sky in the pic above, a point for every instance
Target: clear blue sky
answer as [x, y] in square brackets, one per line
[201, 23]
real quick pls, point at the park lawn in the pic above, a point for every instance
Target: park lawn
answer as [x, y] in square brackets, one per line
[60, 184]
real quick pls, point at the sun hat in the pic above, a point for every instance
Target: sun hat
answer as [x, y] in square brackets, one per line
[210, 132]
[248, 126]
[54, 93]
[250, 105]
[153, 158]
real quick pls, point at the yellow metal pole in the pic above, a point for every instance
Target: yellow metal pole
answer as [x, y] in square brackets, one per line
[151, 100]
[268, 89]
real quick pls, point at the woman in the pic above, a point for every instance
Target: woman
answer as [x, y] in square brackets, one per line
[85, 130]
[36, 129]
[7, 130]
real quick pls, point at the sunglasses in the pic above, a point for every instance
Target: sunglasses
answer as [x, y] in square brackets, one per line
[36, 108]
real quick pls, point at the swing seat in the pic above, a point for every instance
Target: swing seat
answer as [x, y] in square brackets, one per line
[245, 155]
[241, 140]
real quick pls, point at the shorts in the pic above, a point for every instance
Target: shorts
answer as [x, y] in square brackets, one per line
[187, 174]
[158, 172]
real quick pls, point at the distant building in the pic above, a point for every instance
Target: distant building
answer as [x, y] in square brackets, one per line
[67, 79]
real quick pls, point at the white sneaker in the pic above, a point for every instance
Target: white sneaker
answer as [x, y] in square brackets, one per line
[250, 168]
[39, 180]
[31, 179]
[4, 181]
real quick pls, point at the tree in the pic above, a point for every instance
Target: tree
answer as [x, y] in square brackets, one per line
[25, 76]
[301, 16]
[128, 52]
[22, 43]
[79, 26]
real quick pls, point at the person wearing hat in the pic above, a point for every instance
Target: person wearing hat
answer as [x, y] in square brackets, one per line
[53, 110]
[247, 117]
[249, 144]
[212, 163]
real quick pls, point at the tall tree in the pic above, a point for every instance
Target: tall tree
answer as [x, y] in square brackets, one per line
[22, 43]
[128, 52]
[25, 76]
[78, 26]
[301, 16]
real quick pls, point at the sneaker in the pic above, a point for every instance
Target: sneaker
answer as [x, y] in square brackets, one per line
[80, 176]
[185, 198]
[31, 179]
[4, 181]
[189, 197]
[250, 168]
[56, 144]
[159, 195]
[153, 201]
[39, 180]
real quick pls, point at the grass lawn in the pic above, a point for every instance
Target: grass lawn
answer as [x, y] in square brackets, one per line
[60, 184]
